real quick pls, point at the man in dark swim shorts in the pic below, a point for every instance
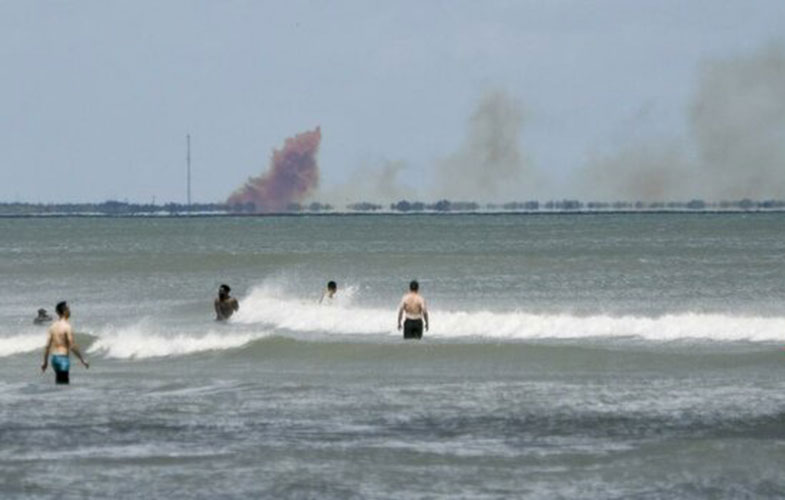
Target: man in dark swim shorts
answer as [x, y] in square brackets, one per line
[414, 309]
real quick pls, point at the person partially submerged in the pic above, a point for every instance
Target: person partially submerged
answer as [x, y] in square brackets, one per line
[329, 293]
[42, 318]
[225, 304]
[415, 311]
[60, 344]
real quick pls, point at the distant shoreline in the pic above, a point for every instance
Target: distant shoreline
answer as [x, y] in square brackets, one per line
[124, 209]
[429, 213]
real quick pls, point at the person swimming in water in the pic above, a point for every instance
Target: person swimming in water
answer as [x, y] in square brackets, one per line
[42, 318]
[225, 304]
[60, 343]
[415, 311]
[329, 293]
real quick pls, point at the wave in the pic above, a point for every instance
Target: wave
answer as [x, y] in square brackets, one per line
[268, 313]
[22, 343]
[136, 342]
[34, 341]
[266, 306]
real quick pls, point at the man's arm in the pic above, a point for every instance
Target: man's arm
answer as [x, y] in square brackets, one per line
[75, 348]
[217, 305]
[46, 351]
[425, 314]
[235, 304]
[400, 315]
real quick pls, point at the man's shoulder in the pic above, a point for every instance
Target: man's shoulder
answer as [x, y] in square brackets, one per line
[59, 326]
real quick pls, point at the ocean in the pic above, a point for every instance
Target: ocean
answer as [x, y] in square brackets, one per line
[569, 356]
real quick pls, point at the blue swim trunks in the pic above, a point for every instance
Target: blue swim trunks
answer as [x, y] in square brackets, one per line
[60, 363]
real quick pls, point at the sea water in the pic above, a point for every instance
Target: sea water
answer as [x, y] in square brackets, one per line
[581, 356]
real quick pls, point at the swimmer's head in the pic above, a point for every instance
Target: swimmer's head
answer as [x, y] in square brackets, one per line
[224, 290]
[414, 286]
[62, 309]
[42, 312]
[332, 286]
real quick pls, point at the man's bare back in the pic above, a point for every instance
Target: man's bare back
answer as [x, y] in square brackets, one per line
[61, 337]
[59, 345]
[413, 305]
[415, 311]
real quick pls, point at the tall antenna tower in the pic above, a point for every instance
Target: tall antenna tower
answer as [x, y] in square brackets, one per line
[188, 163]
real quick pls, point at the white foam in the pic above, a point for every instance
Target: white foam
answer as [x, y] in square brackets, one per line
[266, 311]
[269, 307]
[22, 343]
[136, 342]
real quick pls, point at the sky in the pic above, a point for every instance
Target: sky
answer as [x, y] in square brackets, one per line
[97, 97]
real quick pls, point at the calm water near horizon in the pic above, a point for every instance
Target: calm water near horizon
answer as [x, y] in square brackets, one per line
[580, 356]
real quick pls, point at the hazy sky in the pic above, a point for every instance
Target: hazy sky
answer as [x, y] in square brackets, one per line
[96, 97]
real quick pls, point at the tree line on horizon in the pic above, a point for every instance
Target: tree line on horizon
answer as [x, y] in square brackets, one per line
[121, 208]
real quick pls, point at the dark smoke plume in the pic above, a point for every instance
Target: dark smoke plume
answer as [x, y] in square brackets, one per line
[292, 176]
[378, 183]
[490, 163]
[737, 119]
[655, 171]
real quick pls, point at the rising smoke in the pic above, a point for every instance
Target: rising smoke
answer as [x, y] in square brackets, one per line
[735, 149]
[738, 120]
[376, 182]
[490, 163]
[737, 130]
[293, 174]
[640, 172]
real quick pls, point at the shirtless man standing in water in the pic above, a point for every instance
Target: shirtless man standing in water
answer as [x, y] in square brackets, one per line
[413, 307]
[60, 343]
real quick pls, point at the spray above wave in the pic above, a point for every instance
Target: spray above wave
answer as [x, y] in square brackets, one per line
[293, 174]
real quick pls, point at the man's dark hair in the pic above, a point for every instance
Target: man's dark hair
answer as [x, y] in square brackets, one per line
[414, 286]
[61, 307]
[332, 285]
[224, 288]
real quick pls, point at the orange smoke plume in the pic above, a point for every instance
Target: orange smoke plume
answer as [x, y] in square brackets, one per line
[293, 174]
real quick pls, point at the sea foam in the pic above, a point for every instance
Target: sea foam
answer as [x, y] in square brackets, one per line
[267, 307]
[137, 342]
[22, 343]
[265, 312]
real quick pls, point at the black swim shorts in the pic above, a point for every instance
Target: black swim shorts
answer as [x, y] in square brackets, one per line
[412, 329]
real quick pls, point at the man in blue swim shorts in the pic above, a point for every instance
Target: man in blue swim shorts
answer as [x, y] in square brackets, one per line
[59, 344]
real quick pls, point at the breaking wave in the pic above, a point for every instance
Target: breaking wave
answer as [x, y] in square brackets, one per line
[267, 312]
[136, 343]
[22, 343]
[267, 307]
